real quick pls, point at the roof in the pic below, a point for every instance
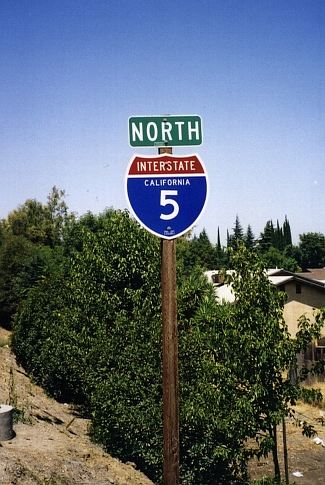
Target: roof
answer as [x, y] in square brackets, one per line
[315, 274]
[280, 280]
[279, 272]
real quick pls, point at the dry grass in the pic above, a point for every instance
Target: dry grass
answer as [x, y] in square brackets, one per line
[4, 337]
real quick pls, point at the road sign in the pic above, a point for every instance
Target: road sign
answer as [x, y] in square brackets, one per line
[149, 131]
[166, 193]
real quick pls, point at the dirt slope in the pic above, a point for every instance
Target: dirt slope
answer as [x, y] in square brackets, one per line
[51, 445]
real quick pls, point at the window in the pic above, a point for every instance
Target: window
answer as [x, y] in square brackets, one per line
[298, 288]
[282, 288]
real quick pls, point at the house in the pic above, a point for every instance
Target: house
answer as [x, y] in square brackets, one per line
[305, 294]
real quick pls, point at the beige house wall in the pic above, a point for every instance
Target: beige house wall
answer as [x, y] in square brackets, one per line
[292, 311]
[303, 303]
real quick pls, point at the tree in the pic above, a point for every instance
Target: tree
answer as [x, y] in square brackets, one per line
[2, 232]
[198, 251]
[238, 231]
[278, 237]
[312, 247]
[205, 250]
[41, 223]
[278, 240]
[237, 236]
[228, 239]
[30, 241]
[267, 237]
[22, 265]
[287, 239]
[30, 221]
[274, 258]
[218, 241]
[16, 254]
[294, 253]
[249, 238]
[264, 349]
[58, 215]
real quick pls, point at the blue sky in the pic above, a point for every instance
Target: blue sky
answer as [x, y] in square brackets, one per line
[74, 71]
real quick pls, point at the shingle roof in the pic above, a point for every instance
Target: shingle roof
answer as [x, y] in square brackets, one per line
[315, 274]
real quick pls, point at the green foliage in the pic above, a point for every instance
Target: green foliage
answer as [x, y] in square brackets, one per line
[198, 252]
[89, 332]
[274, 245]
[274, 258]
[40, 223]
[249, 238]
[259, 334]
[287, 239]
[22, 264]
[312, 247]
[266, 481]
[264, 348]
[237, 237]
[278, 237]
[311, 396]
[30, 249]
[267, 237]
[210, 444]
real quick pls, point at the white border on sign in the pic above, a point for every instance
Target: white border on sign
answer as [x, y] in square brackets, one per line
[157, 157]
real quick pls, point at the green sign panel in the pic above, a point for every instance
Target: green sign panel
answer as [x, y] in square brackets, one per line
[148, 131]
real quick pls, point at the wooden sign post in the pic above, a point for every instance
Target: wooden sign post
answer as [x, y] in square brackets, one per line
[170, 358]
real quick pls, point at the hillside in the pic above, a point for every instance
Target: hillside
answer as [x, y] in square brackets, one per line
[51, 444]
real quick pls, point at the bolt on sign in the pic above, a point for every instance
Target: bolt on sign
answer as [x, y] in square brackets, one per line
[158, 131]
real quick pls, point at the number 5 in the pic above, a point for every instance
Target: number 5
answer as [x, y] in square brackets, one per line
[166, 201]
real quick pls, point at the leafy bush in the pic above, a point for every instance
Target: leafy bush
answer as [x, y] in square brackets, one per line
[92, 333]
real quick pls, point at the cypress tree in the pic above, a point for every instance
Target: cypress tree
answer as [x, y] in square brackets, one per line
[287, 239]
[237, 235]
[249, 238]
[278, 241]
[238, 230]
[267, 236]
[218, 241]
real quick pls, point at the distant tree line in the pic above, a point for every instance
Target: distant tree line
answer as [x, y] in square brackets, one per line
[274, 246]
[83, 298]
[31, 247]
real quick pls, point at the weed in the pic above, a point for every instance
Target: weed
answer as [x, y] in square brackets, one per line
[20, 412]
[267, 481]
